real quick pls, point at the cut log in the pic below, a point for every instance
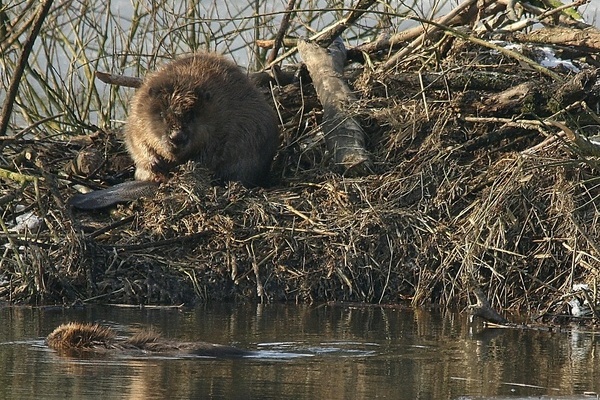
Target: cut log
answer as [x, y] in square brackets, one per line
[541, 99]
[345, 138]
[585, 39]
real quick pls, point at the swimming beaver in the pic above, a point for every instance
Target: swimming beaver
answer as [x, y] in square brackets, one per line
[203, 108]
[74, 338]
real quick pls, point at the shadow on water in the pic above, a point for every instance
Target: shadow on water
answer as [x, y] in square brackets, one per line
[299, 352]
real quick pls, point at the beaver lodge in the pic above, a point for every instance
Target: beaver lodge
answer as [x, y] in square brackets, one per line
[456, 156]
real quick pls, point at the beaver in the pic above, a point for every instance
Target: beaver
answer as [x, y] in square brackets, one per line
[203, 108]
[75, 338]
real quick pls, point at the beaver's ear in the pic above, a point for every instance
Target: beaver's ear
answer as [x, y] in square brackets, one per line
[202, 94]
[158, 90]
[152, 91]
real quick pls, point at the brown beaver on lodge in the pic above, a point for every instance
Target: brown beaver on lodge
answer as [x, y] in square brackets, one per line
[202, 108]
[76, 338]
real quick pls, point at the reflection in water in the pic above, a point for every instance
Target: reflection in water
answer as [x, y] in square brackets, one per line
[301, 352]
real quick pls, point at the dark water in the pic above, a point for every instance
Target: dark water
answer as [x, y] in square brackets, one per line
[303, 352]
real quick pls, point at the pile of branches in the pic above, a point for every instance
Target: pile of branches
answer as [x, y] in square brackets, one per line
[475, 167]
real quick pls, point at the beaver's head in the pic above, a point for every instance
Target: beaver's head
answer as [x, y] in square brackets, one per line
[75, 335]
[177, 110]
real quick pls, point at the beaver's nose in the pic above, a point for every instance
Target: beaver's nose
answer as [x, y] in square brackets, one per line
[178, 137]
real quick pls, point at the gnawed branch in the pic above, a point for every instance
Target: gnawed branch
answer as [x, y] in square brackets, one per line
[344, 136]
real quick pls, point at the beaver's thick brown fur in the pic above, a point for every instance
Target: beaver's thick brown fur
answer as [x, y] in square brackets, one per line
[203, 108]
[74, 338]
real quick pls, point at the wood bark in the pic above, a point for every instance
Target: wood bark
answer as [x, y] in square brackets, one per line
[541, 99]
[585, 39]
[344, 136]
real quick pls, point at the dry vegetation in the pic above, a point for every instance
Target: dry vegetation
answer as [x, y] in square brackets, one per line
[482, 175]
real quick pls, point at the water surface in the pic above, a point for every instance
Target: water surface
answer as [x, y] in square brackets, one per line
[301, 352]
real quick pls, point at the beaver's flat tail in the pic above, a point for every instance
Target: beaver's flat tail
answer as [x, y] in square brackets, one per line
[121, 193]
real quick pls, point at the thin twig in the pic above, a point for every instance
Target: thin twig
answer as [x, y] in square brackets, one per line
[285, 23]
[520, 25]
[441, 24]
[328, 35]
[484, 43]
[13, 88]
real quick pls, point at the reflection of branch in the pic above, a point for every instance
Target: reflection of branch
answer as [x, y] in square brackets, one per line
[11, 93]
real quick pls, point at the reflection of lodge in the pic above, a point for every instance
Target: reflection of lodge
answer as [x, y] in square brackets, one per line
[471, 175]
[432, 355]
